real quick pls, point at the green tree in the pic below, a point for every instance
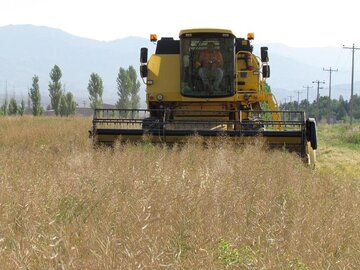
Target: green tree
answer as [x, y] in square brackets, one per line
[13, 107]
[34, 95]
[4, 107]
[22, 107]
[267, 87]
[128, 89]
[28, 105]
[328, 110]
[63, 106]
[342, 109]
[67, 104]
[71, 103]
[55, 88]
[135, 88]
[264, 105]
[123, 85]
[95, 89]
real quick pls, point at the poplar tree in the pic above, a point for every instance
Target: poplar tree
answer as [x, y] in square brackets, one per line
[34, 95]
[95, 89]
[135, 88]
[128, 89]
[123, 86]
[55, 88]
[71, 109]
[4, 107]
[67, 104]
[13, 107]
[22, 107]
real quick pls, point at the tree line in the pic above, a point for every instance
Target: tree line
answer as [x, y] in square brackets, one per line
[329, 110]
[62, 101]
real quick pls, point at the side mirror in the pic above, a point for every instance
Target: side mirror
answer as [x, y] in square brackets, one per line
[266, 71]
[264, 54]
[143, 71]
[143, 55]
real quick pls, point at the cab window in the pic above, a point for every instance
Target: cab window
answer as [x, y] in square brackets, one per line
[207, 67]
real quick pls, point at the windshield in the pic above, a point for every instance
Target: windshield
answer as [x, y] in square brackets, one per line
[207, 67]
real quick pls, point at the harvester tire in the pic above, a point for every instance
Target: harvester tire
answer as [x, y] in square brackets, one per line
[311, 132]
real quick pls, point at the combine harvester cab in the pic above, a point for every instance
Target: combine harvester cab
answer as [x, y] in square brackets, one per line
[207, 83]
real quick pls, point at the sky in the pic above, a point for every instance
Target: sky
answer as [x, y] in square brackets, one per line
[306, 23]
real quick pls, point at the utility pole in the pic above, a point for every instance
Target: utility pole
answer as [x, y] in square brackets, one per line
[318, 98]
[353, 48]
[307, 98]
[298, 102]
[330, 70]
[307, 92]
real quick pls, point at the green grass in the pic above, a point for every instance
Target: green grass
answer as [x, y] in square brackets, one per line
[340, 135]
[339, 150]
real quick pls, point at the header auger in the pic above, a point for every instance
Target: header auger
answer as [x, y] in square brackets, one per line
[207, 83]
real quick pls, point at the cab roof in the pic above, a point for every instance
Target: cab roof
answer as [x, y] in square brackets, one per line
[205, 31]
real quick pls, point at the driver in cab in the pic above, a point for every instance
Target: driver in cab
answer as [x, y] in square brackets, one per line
[209, 63]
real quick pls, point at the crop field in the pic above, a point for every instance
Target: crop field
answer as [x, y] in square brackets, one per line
[66, 205]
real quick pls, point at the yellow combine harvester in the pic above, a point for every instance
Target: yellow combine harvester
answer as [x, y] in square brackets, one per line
[211, 84]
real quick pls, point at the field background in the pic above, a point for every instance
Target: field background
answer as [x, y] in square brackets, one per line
[65, 205]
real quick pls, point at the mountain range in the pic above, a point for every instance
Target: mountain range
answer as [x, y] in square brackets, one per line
[26, 50]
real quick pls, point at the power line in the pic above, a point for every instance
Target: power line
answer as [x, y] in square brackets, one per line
[353, 48]
[330, 70]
